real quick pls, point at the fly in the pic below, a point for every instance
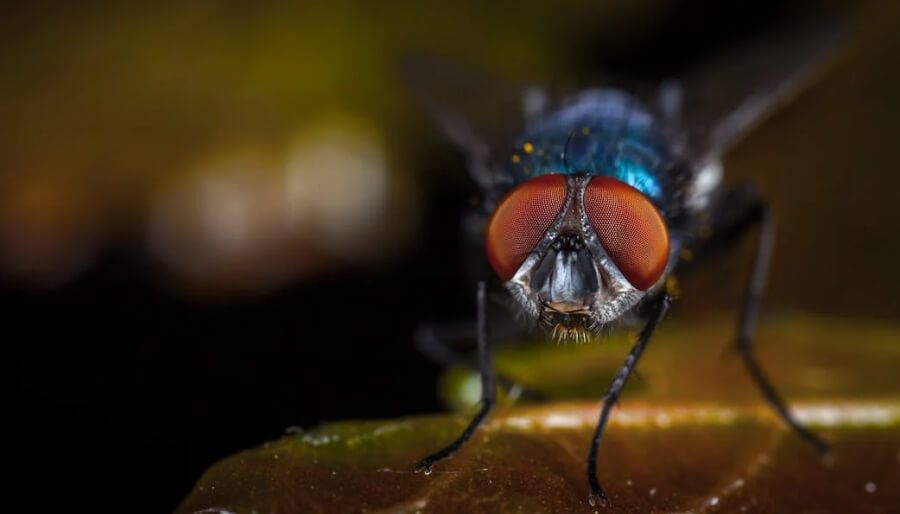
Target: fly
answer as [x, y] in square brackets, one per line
[589, 206]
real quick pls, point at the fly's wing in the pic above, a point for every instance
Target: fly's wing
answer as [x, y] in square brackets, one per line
[734, 91]
[480, 115]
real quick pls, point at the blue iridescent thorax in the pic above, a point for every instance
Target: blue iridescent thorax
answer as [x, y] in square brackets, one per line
[604, 132]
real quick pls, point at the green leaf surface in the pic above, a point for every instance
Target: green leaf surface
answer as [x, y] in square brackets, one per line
[691, 437]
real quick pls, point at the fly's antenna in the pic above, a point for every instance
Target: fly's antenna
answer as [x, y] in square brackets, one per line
[592, 154]
[565, 155]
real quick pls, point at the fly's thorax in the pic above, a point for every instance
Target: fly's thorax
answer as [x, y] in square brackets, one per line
[572, 280]
[602, 131]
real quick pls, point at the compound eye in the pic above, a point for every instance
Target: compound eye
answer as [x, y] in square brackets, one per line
[630, 229]
[520, 221]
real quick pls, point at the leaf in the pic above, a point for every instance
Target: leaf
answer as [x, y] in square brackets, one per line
[663, 451]
[808, 359]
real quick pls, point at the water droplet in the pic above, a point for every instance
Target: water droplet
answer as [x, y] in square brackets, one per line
[871, 487]
[427, 470]
[713, 501]
[653, 491]
[628, 482]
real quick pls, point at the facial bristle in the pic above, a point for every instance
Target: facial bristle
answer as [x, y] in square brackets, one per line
[578, 334]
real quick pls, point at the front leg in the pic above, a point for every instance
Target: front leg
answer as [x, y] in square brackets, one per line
[615, 389]
[488, 387]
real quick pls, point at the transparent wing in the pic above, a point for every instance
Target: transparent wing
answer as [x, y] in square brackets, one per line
[479, 114]
[732, 92]
[714, 104]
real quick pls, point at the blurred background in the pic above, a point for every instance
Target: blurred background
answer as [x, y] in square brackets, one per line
[219, 219]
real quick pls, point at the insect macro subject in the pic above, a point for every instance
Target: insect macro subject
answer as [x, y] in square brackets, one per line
[589, 207]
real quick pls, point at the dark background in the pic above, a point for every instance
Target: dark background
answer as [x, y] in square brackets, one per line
[122, 384]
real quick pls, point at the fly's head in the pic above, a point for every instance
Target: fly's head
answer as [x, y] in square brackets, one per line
[577, 251]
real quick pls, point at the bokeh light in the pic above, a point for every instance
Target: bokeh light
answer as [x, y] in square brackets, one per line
[251, 219]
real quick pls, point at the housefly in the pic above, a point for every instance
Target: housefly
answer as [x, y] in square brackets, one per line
[590, 203]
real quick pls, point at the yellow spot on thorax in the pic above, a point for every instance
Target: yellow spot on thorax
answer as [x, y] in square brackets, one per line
[516, 158]
[528, 147]
[672, 287]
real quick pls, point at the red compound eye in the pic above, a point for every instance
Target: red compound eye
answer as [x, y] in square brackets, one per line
[520, 220]
[630, 229]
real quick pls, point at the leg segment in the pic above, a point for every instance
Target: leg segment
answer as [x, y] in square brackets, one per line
[488, 387]
[761, 214]
[738, 212]
[436, 343]
[615, 389]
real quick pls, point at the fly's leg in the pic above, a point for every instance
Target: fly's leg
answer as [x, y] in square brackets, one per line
[761, 215]
[435, 342]
[615, 389]
[488, 388]
[743, 210]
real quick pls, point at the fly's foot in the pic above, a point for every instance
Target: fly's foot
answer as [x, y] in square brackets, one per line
[425, 466]
[822, 445]
[598, 497]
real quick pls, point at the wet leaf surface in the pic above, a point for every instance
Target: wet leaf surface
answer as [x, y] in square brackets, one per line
[690, 438]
